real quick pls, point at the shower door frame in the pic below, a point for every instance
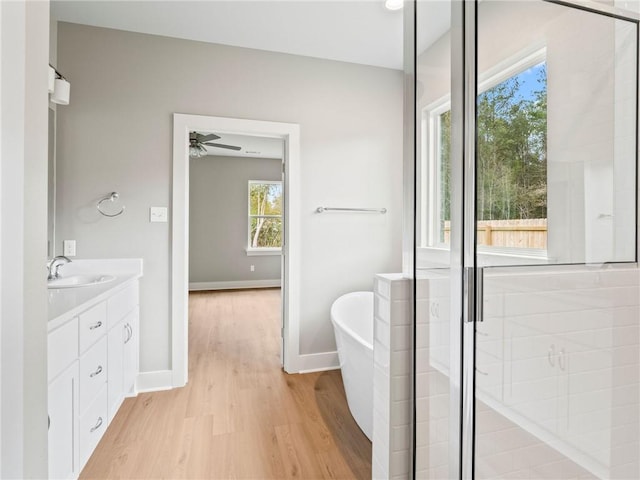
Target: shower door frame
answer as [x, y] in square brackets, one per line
[465, 272]
[473, 311]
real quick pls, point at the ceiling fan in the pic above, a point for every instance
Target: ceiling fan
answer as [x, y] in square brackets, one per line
[197, 142]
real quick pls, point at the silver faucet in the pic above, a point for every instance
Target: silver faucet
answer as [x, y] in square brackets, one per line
[55, 264]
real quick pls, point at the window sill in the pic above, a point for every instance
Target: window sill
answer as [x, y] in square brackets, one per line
[438, 256]
[260, 252]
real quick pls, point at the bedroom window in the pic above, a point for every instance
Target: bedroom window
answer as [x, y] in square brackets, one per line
[265, 217]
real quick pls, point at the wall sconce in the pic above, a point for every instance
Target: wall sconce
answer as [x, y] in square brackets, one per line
[52, 78]
[61, 88]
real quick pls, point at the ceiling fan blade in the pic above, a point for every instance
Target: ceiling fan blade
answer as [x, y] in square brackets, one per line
[220, 145]
[207, 138]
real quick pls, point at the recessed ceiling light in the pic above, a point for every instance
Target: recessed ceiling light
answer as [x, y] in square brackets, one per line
[394, 4]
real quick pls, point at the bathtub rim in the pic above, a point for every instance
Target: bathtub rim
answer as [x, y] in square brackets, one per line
[346, 328]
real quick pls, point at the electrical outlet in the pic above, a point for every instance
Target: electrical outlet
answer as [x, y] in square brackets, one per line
[252, 268]
[69, 248]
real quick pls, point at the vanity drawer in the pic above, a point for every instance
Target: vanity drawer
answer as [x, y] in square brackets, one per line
[93, 424]
[93, 373]
[62, 345]
[92, 325]
[122, 303]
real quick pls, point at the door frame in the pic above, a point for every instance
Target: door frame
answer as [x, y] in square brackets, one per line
[290, 134]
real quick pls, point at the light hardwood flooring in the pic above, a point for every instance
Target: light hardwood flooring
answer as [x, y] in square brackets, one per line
[240, 415]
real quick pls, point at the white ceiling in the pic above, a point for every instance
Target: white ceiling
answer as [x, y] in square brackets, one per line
[361, 31]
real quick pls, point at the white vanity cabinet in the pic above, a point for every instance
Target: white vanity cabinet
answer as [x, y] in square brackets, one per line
[93, 364]
[63, 427]
[63, 373]
[122, 311]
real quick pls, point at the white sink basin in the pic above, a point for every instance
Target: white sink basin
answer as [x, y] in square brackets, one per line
[74, 281]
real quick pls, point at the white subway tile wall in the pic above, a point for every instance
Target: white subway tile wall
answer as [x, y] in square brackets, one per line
[433, 397]
[392, 346]
[557, 380]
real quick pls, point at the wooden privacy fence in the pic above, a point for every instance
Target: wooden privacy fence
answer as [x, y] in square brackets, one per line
[521, 233]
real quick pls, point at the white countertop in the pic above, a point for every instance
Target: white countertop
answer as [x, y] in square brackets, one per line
[65, 303]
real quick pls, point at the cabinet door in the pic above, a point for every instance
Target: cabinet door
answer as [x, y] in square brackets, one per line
[115, 340]
[131, 353]
[122, 303]
[531, 372]
[63, 426]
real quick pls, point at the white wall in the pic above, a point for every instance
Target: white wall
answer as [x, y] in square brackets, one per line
[557, 372]
[23, 294]
[218, 219]
[116, 135]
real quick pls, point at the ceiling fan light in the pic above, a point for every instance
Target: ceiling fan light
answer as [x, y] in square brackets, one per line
[194, 151]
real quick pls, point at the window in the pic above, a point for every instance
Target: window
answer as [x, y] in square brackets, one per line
[511, 154]
[265, 217]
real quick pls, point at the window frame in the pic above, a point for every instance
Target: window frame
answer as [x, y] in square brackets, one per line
[260, 251]
[430, 163]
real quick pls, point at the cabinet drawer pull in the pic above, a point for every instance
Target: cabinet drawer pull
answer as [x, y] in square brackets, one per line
[561, 362]
[95, 325]
[129, 333]
[48, 422]
[551, 355]
[97, 425]
[97, 372]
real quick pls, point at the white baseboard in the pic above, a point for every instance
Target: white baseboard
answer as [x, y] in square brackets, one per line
[318, 362]
[238, 284]
[154, 381]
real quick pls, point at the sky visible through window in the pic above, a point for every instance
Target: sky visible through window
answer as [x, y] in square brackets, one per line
[528, 81]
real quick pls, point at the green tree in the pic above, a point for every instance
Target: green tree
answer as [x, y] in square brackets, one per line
[445, 170]
[265, 207]
[511, 153]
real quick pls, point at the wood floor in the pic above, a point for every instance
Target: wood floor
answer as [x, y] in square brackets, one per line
[239, 416]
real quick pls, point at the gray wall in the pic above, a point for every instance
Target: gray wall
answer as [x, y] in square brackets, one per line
[116, 135]
[218, 206]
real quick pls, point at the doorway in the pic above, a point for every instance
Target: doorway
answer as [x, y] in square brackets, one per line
[289, 133]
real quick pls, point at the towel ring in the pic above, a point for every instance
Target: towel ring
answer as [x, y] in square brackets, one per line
[113, 196]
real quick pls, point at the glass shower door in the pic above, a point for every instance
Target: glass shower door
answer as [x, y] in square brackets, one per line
[438, 242]
[527, 337]
[557, 341]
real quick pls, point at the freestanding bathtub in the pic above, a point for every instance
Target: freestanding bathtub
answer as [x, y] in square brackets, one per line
[352, 318]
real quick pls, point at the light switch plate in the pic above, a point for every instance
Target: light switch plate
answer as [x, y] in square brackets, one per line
[158, 214]
[69, 248]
